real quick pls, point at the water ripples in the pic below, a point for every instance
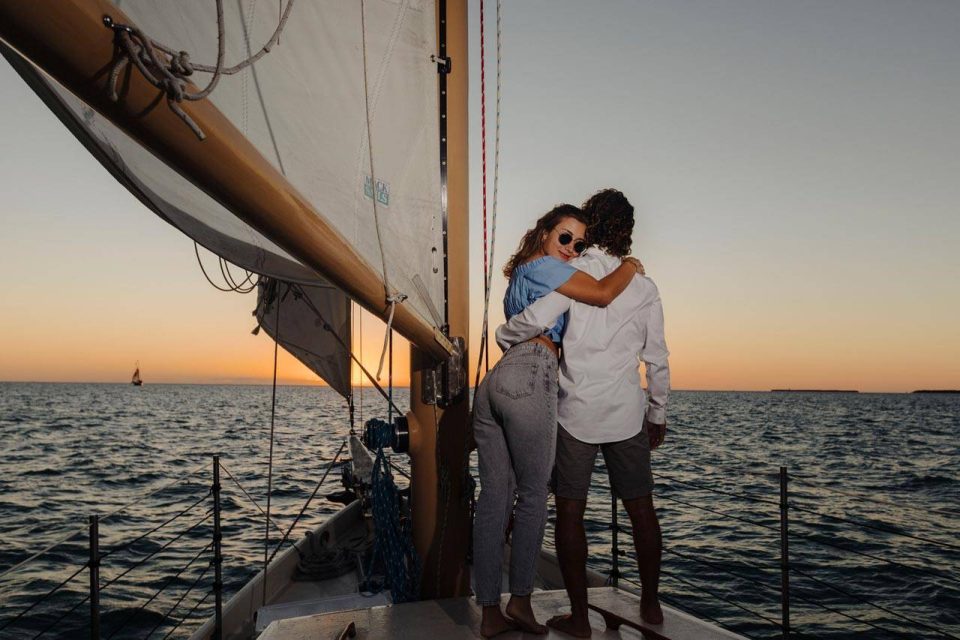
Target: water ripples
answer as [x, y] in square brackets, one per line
[864, 469]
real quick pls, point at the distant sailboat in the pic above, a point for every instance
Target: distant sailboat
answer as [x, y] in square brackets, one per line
[136, 381]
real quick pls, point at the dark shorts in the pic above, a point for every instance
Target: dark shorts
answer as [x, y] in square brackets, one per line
[628, 466]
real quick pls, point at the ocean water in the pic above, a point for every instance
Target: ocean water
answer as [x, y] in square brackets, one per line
[873, 494]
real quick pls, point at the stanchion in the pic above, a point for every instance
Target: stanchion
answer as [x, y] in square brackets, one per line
[784, 558]
[217, 557]
[95, 577]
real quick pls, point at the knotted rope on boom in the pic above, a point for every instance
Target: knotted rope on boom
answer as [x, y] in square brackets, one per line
[168, 69]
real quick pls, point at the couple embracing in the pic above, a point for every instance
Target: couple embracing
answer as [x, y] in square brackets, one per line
[536, 414]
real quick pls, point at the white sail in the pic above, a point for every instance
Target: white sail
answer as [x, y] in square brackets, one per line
[304, 106]
[314, 326]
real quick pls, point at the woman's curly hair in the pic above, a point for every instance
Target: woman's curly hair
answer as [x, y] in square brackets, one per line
[611, 221]
[532, 240]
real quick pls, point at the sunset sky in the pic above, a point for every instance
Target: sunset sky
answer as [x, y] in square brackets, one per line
[795, 168]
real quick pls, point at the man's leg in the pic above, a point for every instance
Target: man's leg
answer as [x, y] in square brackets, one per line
[648, 544]
[628, 463]
[574, 466]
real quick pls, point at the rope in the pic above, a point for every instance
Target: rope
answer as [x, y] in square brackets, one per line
[273, 415]
[484, 355]
[250, 498]
[170, 73]
[231, 286]
[392, 299]
[302, 510]
[393, 546]
[366, 372]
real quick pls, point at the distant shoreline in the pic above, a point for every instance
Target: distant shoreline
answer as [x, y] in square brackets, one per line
[814, 391]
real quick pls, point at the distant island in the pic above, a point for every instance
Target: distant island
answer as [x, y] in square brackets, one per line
[816, 391]
[937, 391]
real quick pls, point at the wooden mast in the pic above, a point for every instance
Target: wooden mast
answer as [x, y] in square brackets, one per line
[440, 437]
[67, 39]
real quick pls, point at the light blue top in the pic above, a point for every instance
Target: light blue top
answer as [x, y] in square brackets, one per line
[533, 280]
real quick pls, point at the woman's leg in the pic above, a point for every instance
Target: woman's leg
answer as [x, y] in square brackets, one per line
[493, 510]
[526, 394]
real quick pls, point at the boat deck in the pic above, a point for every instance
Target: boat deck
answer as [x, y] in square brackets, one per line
[459, 618]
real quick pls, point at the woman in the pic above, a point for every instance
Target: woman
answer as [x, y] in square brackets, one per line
[515, 416]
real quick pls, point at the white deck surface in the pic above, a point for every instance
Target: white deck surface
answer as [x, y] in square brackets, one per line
[459, 618]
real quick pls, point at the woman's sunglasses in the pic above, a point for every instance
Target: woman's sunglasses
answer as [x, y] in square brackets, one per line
[579, 246]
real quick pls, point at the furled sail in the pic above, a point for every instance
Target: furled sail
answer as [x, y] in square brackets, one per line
[304, 106]
[314, 326]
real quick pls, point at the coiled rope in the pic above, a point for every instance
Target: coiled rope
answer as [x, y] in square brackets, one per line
[169, 72]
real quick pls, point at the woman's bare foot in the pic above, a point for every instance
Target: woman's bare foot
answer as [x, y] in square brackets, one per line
[650, 611]
[494, 623]
[521, 612]
[568, 625]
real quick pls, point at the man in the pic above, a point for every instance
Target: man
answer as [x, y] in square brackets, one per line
[602, 405]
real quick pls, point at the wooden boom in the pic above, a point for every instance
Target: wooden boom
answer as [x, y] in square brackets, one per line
[68, 40]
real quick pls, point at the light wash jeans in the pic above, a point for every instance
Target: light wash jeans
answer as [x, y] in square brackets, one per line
[515, 427]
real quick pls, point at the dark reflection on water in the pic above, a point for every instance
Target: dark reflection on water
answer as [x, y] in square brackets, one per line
[888, 461]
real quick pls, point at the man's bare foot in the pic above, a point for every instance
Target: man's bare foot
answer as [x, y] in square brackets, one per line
[566, 624]
[650, 611]
[520, 611]
[494, 623]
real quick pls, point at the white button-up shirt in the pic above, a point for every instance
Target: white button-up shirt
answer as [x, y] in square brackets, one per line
[601, 398]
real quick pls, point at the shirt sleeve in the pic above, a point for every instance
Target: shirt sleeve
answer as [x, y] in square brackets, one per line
[655, 356]
[532, 321]
[551, 273]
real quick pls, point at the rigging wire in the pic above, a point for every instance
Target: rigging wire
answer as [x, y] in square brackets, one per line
[273, 415]
[326, 326]
[303, 509]
[249, 497]
[484, 355]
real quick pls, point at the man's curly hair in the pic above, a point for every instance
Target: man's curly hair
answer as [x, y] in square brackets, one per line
[611, 221]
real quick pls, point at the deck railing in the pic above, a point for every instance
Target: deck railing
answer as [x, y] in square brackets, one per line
[29, 622]
[768, 595]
